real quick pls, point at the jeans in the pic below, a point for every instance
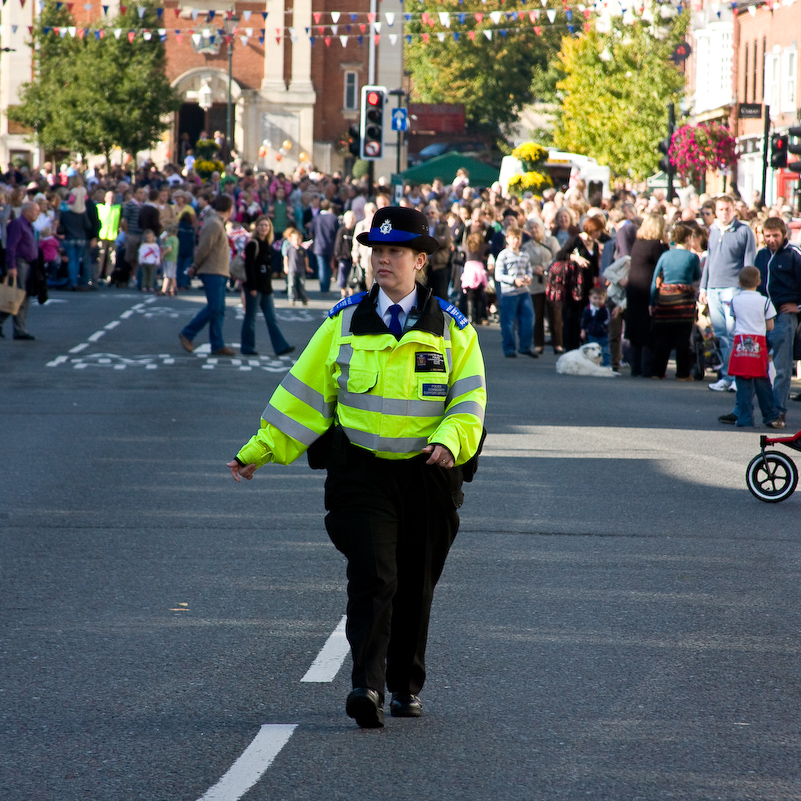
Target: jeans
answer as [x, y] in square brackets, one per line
[75, 251]
[781, 340]
[520, 308]
[604, 343]
[324, 271]
[719, 302]
[184, 263]
[744, 407]
[267, 306]
[212, 313]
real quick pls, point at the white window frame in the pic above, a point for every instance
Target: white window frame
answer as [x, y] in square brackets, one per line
[353, 77]
[772, 80]
[789, 80]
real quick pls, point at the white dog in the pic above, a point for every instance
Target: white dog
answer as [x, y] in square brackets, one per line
[585, 360]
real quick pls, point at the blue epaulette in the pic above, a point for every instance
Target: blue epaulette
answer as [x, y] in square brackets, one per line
[460, 320]
[345, 302]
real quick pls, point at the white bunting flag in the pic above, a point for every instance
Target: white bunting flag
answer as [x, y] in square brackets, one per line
[117, 33]
[488, 34]
[393, 39]
[441, 36]
[244, 40]
[445, 19]
[390, 18]
[246, 15]
[376, 27]
[344, 41]
[495, 16]
[551, 12]
[196, 37]
[141, 11]
[335, 16]
[334, 29]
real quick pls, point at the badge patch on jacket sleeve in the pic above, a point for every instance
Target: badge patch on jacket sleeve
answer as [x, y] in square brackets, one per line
[434, 390]
[429, 362]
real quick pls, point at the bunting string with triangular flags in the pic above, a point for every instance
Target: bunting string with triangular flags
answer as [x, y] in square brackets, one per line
[345, 27]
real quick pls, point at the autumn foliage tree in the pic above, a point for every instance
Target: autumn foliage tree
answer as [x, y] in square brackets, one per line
[614, 87]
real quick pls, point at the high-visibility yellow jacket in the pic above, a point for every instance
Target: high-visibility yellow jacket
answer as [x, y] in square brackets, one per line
[391, 397]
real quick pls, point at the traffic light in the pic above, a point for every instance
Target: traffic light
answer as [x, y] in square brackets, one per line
[778, 151]
[372, 122]
[795, 166]
[354, 141]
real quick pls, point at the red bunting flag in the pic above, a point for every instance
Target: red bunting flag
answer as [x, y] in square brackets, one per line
[479, 16]
[425, 38]
[327, 41]
[425, 15]
[586, 13]
[538, 30]
[177, 10]
[179, 37]
[362, 28]
[472, 35]
[131, 36]
[377, 39]
[317, 17]
[123, 9]
[371, 18]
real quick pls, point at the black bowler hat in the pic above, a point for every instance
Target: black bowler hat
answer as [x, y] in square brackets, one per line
[394, 225]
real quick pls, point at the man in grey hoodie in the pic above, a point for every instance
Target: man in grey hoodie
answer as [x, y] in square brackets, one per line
[732, 246]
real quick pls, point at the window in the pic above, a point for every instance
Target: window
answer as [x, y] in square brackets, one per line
[772, 74]
[351, 91]
[788, 80]
[745, 76]
[754, 81]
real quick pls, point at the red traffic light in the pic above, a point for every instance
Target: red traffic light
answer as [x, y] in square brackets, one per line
[373, 98]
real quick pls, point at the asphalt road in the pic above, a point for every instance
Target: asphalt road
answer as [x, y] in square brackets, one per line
[618, 619]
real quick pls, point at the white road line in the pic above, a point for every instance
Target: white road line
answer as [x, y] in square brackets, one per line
[255, 759]
[58, 360]
[328, 662]
[79, 348]
[112, 324]
[94, 337]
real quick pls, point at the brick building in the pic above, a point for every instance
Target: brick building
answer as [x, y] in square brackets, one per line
[766, 72]
[296, 73]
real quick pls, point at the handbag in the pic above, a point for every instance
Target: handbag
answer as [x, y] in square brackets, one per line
[11, 296]
[555, 291]
[675, 303]
[237, 268]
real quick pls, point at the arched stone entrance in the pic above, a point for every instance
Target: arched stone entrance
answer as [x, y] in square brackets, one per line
[204, 92]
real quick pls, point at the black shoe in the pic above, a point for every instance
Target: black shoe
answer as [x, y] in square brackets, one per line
[731, 419]
[405, 705]
[510, 355]
[249, 352]
[286, 352]
[366, 707]
[26, 336]
[529, 353]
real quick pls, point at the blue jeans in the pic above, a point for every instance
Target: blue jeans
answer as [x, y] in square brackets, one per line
[212, 313]
[324, 271]
[520, 308]
[604, 343]
[184, 263]
[75, 252]
[781, 340]
[719, 302]
[252, 305]
[744, 407]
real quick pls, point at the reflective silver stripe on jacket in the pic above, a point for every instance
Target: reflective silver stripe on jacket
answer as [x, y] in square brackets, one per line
[385, 444]
[292, 428]
[311, 397]
[468, 407]
[463, 385]
[400, 407]
[446, 335]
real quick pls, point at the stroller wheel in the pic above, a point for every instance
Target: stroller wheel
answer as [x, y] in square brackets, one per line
[771, 477]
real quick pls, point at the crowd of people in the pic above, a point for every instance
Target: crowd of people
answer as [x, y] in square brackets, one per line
[630, 271]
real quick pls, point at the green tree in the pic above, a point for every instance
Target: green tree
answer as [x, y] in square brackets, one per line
[98, 92]
[492, 78]
[614, 89]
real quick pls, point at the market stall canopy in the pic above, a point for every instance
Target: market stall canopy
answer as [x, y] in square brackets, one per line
[445, 167]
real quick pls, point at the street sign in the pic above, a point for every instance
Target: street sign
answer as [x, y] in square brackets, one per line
[750, 111]
[399, 119]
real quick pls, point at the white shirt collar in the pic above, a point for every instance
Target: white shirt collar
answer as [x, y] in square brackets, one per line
[383, 302]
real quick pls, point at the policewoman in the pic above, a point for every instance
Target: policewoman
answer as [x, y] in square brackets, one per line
[389, 397]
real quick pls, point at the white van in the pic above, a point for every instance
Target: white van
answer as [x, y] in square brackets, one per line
[564, 169]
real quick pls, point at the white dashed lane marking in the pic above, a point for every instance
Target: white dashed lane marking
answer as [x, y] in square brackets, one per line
[328, 662]
[250, 767]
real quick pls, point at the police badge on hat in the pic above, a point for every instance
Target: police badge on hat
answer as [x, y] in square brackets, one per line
[405, 227]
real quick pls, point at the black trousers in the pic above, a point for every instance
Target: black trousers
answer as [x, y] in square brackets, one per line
[395, 522]
[673, 336]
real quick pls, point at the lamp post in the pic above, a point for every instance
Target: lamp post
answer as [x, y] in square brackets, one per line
[204, 100]
[231, 24]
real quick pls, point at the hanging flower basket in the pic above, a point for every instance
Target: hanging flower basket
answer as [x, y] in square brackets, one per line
[531, 156]
[698, 149]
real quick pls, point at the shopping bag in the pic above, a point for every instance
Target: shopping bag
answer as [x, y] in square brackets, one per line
[11, 296]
